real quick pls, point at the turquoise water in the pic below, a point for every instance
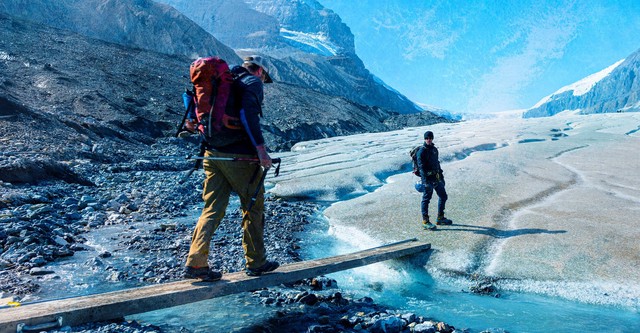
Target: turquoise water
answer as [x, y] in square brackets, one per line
[406, 285]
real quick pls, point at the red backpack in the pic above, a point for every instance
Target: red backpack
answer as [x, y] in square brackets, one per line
[212, 82]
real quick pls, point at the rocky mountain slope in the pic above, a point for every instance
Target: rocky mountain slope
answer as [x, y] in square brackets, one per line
[309, 45]
[141, 24]
[85, 98]
[615, 89]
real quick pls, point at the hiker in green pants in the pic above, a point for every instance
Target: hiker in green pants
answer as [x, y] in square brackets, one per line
[245, 179]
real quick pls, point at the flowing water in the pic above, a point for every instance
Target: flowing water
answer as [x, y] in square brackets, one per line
[408, 286]
[403, 284]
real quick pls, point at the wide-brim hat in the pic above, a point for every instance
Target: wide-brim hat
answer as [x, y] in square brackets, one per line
[258, 60]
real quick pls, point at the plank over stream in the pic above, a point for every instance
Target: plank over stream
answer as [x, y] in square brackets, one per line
[118, 304]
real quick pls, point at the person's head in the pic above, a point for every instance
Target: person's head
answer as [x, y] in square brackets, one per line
[428, 136]
[256, 66]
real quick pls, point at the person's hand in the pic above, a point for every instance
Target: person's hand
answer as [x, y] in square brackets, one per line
[190, 125]
[263, 156]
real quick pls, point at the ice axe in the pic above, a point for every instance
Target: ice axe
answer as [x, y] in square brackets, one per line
[258, 187]
[200, 157]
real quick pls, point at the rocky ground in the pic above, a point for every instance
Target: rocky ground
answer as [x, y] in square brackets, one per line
[45, 222]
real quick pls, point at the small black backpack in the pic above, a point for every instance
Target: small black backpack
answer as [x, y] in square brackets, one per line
[414, 157]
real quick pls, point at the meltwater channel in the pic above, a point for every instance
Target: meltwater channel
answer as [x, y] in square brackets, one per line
[407, 286]
[403, 285]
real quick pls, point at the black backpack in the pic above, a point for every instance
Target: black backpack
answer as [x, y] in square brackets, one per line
[414, 157]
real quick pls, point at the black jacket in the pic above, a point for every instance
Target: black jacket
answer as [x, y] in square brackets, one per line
[428, 163]
[245, 103]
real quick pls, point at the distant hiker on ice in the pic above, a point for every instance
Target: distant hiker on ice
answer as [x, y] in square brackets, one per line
[432, 178]
[243, 140]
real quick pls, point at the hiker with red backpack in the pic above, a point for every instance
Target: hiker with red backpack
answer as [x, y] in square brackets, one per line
[228, 108]
[432, 177]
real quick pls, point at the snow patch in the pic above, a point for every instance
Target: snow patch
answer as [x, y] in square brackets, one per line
[317, 42]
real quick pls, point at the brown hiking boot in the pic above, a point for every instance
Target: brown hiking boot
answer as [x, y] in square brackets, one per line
[441, 220]
[267, 267]
[203, 273]
[427, 225]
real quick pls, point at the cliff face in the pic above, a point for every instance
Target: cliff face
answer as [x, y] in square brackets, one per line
[615, 89]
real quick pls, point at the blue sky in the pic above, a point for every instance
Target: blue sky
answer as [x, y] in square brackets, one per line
[483, 56]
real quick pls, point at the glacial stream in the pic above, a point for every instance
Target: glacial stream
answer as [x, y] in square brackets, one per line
[407, 286]
[404, 285]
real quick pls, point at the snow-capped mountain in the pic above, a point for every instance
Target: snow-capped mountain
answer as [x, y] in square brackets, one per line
[306, 24]
[308, 44]
[614, 89]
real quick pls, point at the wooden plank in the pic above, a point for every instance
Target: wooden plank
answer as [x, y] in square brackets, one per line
[118, 304]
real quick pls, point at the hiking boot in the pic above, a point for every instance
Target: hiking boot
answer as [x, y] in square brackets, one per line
[441, 220]
[203, 273]
[267, 267]
[428, 225]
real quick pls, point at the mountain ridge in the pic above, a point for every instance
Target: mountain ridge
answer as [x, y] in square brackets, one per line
[614, 89]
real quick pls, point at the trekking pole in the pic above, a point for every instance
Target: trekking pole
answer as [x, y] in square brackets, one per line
[197, 165]
[189, 105]
[276, 161]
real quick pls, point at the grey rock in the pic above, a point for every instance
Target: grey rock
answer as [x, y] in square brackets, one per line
[60, 241]
[38, 271]
[409, 317]
[26, 257]
[426, 327]
[321, 329]
[387, 325]
[38, 261]
[70, 201]
[309, 299]
[105, 254]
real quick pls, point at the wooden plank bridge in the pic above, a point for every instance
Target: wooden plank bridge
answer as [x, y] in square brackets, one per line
[118, 304]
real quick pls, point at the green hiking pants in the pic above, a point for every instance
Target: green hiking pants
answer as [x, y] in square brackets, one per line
[222, 177]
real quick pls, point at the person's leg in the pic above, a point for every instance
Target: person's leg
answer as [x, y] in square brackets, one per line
[426, 198]
[215, 194]
[442, 196]
[245, 179]
[442, 200]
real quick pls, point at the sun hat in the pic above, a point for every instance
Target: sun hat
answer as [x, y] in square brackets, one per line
[259, 61]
